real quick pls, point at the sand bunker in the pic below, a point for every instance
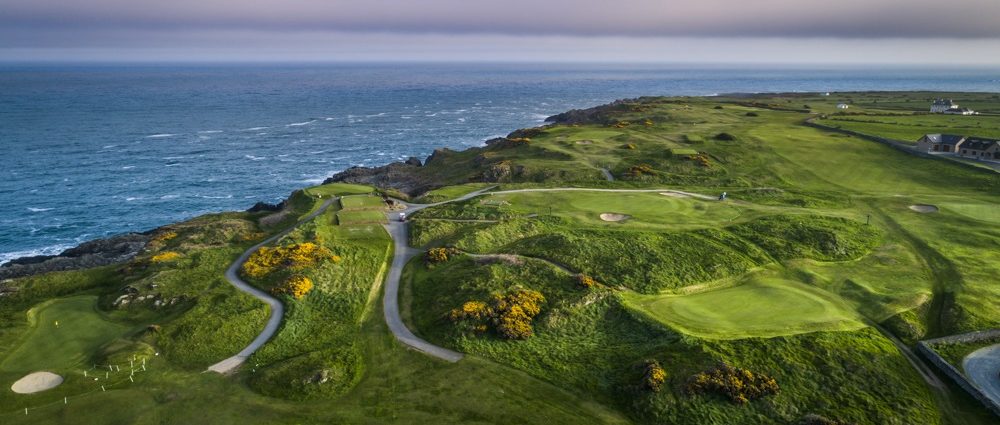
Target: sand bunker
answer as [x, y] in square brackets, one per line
[614, 217]
[36, 382]
[924, 208]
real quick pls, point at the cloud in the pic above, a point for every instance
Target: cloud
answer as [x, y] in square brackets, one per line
[77, 20]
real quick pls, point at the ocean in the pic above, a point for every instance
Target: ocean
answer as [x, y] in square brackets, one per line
[93, 150]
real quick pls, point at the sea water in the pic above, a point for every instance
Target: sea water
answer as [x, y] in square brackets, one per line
[92, 150]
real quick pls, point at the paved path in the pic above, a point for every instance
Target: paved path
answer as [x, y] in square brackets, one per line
[918, 363]
[277, 309]
[402, 253]
[983, 369]
[607, 175]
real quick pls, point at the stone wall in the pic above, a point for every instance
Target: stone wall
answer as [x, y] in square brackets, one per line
[926, 349]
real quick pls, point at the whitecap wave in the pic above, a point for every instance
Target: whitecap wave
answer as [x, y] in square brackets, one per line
[209, 131]
[255, 158]
[48, 250]
[170, 196]
[39, 209]
[159, 136]
[215, 197]
[128, 167]
[299, 124]
[255, 128]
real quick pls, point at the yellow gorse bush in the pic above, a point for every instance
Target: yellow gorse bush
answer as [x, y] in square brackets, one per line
[510, 314]
[297, 286]
[165, 257]
[296, 256]
[655, 376]
[165, 236]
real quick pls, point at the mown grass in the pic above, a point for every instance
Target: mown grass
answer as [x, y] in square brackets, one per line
[347, 218]
[759, 306]
[362, 202]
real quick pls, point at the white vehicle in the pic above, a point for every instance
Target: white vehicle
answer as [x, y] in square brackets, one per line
[402, 216]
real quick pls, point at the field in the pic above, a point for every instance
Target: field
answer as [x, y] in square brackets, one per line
[816, 244]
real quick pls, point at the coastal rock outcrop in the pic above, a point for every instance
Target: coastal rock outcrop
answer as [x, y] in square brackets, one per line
[401, 176]
[95, 253]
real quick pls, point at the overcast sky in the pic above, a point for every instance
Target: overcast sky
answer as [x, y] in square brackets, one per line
[759, 31]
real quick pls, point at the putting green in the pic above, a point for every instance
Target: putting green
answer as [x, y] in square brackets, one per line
[983, 212]
[81, 330]
[757, 308]
[645, 209]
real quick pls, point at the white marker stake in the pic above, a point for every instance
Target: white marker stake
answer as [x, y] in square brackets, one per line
[143, 368]
[25, 411]
[84, 374]
[65, 400]
[131, 364]
[102, 388]
[109, 367]
[130, 379]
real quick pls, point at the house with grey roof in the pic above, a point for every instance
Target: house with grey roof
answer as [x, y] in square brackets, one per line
[980, 148]
[940, 143]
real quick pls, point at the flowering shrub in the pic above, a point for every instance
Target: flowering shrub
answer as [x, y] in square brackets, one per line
[585, 282]
[165, 236]
[629, 146]
[296, 256]
[640, 170]
[510, 314]
[165, 257]
[439, 255]
[297, 286]
[701, 159]
[647, 123]
[621, 124]
[655, 376]
[739, 385]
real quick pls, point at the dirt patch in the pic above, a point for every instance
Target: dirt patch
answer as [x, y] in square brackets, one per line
[675, 194]
[584, 142]
[615, 217]
[498, 258]
[924, 208]
[36, 382]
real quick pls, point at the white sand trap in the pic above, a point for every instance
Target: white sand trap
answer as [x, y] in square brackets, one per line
[675, 194]
[924, 208]
[614, 217]
[36, 382]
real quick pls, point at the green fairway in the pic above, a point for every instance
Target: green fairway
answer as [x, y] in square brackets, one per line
[645, 209]
[978, 211]
[760, 307]
[81, 330]
[362, 202]
[450, 192]
[360, 217]
[338, 189]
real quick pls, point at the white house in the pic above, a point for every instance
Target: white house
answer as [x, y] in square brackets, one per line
[959, 111]
[941, 105]
[843, 106]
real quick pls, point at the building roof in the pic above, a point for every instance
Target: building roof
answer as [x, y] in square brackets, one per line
[979, 143]
[944, 139]
[944, 102]
[958, 110]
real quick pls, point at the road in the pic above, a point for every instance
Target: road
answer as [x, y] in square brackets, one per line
[983, 369]
[277, 309]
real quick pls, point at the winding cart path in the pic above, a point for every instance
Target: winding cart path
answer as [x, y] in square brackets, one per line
[277, 309]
